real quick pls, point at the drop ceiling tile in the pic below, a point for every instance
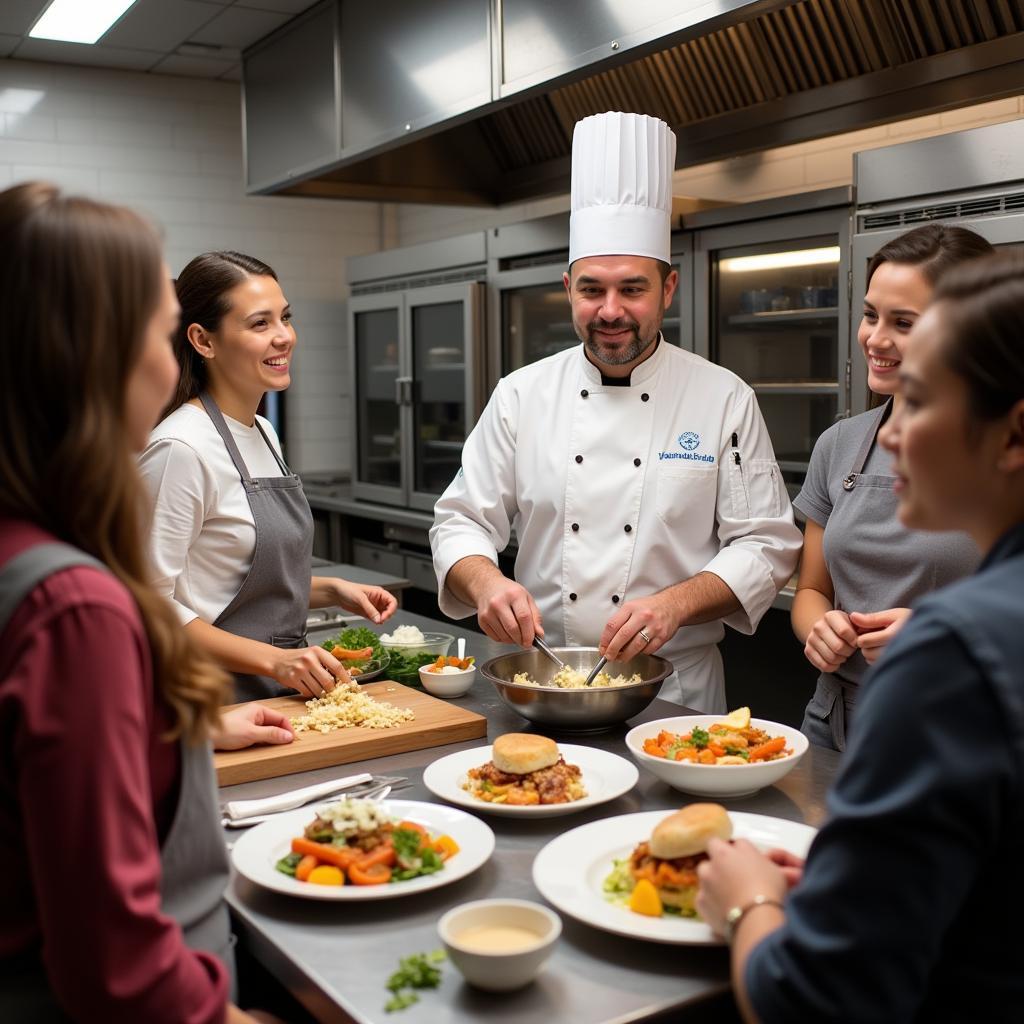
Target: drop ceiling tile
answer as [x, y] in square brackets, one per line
[18, 16]
[286, 6]
[80, 53]
[7, 44]
[159, 24]
[239, 27]
[193, 67]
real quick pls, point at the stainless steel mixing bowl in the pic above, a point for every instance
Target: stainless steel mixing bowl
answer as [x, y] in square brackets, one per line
[590, 710]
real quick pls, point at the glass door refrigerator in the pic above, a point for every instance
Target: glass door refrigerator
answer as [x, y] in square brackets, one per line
[530, 316]
[771, 304]
[415, 361]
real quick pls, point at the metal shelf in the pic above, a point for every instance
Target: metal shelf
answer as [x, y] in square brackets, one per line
[794, 387]
[772, 319]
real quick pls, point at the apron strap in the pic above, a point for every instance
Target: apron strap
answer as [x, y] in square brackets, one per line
[25, 571]
[870, 436]
[273, 451]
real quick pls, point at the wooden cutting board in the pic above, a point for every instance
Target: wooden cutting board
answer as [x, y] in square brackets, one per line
[437, 722]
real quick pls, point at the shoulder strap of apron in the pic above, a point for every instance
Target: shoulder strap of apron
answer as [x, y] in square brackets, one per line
[229, 442]
[870, 436]
[23, 572]
[273, 451]
[225, 435]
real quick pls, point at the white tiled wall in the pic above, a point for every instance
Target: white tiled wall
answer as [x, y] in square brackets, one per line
[172, 148]
[804, 167]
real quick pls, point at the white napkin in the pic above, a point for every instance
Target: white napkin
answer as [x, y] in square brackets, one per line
[293, 798]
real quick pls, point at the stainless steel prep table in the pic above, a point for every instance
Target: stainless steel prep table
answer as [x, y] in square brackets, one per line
[336, 958]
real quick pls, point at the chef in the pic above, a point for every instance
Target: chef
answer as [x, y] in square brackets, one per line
[639, 478]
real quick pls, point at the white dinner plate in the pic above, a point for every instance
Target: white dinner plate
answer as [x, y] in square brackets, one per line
[604, 775]
[256, 853]
[570, 870]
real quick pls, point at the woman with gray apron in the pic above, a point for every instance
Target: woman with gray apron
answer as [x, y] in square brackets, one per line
[232, 537]
[861, 570]
[112, 864]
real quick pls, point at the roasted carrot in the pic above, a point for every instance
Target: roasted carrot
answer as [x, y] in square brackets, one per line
[686, 754]
[344, 654]
[717, 750]
[705, 757]
[651, 747]
[377, 874]
[665, 738]
[325, 853]
[303, 868]
[763, 750]
[383, 854]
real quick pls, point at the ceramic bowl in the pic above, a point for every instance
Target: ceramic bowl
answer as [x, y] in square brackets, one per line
[496, 971]
[447, 684]
[719, 780]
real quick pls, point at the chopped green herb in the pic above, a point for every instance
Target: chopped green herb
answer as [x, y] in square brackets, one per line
[287, 864]
[699, 737]
[414, 972]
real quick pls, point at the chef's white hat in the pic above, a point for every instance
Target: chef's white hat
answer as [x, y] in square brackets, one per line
[621, 186]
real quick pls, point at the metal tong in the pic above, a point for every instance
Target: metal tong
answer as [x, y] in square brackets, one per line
[597, 668]
[541, 646]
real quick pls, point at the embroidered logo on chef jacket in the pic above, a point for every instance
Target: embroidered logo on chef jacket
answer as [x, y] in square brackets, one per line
[689, 441]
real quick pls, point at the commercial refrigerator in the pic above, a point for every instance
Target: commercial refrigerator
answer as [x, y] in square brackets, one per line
[770, 303]
[416, 343]
[529, 316]
[972, 179]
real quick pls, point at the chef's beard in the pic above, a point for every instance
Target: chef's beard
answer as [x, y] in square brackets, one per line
[617, 356]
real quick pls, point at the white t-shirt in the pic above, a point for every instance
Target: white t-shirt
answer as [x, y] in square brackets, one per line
[203, 536]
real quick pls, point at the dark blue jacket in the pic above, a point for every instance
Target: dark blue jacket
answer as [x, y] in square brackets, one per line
[911, 907]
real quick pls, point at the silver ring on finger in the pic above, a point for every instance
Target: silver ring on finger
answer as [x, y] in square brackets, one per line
[643, 633]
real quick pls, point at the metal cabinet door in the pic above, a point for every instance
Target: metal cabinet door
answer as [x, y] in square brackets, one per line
[444, 346]
[380, 377]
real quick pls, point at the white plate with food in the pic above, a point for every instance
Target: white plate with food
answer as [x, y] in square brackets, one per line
[530, 766]
[571, 872]
[258, 854]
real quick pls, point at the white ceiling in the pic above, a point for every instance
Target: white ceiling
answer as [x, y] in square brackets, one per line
[199, 38]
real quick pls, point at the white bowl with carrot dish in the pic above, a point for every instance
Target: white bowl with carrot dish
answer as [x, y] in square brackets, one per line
[717, 755]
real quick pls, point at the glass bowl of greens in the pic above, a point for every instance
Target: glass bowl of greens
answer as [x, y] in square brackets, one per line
[409, 649]
[359, 649]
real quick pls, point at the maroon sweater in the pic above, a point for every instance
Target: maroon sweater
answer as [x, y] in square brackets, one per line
[87, 791]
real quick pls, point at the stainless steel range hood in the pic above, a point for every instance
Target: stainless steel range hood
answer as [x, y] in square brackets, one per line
[474, 101]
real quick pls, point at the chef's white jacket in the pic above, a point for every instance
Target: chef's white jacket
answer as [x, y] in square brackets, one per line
[616, 493]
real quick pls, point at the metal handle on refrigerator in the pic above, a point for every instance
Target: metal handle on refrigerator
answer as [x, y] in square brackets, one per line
[403, 391]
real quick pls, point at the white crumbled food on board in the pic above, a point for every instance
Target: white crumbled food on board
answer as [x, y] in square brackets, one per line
[351, 817]
[346, 705]
[572, 679]
[403, 635]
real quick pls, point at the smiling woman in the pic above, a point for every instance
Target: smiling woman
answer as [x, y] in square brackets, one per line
[232, 537]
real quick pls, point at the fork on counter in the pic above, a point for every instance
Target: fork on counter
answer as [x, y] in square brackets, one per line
[377, 789]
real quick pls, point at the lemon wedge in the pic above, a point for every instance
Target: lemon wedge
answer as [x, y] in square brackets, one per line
[645, 899]
[738, 719]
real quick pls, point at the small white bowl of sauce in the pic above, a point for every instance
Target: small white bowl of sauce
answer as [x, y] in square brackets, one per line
[499, 944]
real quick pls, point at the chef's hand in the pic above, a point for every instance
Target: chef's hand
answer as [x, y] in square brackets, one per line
[654, 615]
[831, 641]
[310, 670]
[251, 724]
[876, 629]
[373, 603]
[507, 613]
[732, 876]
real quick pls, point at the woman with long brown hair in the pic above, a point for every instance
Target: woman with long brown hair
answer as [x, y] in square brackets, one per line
[860, 569]
[909, 906]
[112, 867]
[232, 537]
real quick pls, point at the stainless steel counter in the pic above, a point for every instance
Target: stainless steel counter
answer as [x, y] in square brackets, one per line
[335, 958]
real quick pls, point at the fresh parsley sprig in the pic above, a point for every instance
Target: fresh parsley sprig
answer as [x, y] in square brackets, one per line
[418, 971]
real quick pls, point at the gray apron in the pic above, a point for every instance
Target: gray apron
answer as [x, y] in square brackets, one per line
[867, 498]
[273, 602]
[193, 859]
